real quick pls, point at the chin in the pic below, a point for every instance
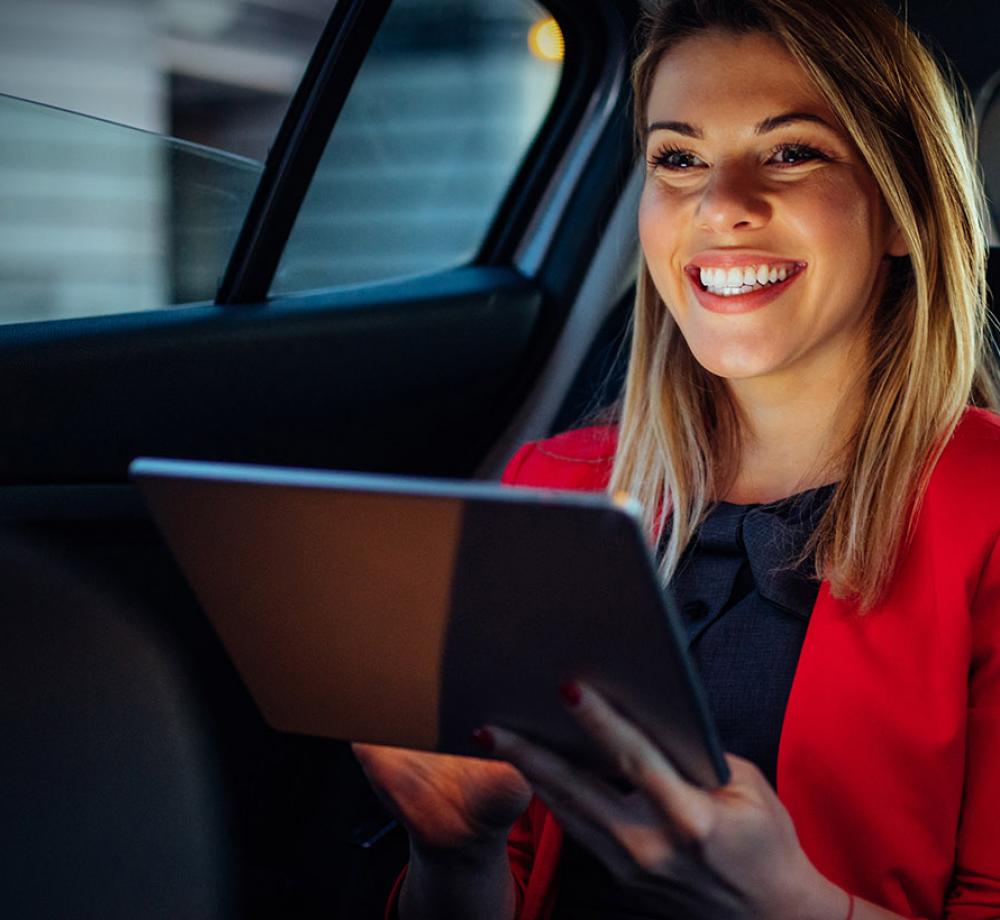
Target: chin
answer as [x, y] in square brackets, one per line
[735, 364]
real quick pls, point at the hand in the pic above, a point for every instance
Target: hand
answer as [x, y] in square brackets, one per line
[727, 852]
[446, 802]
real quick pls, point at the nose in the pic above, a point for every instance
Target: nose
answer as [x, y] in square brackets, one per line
[732, 201]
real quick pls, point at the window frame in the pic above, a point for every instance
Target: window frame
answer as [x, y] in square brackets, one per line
[298, 147]
[540, 194]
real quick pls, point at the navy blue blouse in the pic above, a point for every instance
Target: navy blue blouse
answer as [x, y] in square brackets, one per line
[745, 607]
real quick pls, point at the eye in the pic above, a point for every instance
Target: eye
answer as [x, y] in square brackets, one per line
[795, 154]
[674, 158]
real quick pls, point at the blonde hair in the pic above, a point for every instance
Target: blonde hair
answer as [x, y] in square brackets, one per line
[680, 432]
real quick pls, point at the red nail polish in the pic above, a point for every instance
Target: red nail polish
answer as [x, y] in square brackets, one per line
[570, 691]
[483, 737]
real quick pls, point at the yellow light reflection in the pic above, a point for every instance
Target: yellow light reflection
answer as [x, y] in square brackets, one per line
[546, 40]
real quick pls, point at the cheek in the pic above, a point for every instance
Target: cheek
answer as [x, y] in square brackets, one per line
[837, 218]
[841, 224]
[650, 227]
[662, 216]
[660, 232]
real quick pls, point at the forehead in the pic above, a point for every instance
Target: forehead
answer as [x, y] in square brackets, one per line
[736, 78]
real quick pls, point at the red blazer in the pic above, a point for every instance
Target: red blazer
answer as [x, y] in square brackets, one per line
[889, 759]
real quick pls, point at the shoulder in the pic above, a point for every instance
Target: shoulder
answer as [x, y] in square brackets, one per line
[962, 502]
[977, 434]
[970, 461]
[579, 459]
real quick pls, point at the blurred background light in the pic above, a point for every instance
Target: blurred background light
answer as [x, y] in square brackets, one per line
[546, 40]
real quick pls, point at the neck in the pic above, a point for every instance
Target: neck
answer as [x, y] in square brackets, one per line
[795, 433]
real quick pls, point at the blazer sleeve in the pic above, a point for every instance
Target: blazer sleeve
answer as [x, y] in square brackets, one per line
[975, 890]
[521, 853]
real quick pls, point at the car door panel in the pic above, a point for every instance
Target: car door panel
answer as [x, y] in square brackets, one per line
[412, 377]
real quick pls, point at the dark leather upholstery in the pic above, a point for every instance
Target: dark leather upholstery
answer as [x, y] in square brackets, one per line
[108, 798]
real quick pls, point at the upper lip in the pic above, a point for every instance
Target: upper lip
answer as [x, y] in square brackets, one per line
[727, 258]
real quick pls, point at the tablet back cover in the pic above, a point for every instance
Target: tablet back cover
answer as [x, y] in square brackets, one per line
[409, 612]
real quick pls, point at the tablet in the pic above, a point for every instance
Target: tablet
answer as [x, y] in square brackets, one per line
[409, 611]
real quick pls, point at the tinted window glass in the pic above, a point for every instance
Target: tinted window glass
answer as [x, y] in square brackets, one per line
[436, 124]
[216, 72]
[97, 218]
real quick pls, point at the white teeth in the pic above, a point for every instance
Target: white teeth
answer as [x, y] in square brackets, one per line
[740, 280]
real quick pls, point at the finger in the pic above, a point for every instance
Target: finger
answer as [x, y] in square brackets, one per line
[371, 757]
[617, 848]
[622, 833]
[689, 810]
[574, 789]
[367, 753]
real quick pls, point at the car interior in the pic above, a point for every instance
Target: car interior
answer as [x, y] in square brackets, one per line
[137, 778]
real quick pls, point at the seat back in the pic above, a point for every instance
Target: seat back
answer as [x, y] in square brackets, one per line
[109, 803]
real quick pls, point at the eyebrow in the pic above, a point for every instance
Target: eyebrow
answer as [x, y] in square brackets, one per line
[767, 125]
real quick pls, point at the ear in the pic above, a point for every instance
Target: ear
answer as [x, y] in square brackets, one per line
[896, 245]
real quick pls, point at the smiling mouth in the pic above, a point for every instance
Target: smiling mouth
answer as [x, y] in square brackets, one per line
[733, 281]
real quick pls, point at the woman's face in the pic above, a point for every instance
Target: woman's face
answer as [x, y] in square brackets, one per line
[762, 228]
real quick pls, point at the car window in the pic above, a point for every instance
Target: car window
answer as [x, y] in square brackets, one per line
[436, 124]
[100, 218]
[215, 72]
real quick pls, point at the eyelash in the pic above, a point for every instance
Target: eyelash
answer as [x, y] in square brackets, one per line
[661, 157]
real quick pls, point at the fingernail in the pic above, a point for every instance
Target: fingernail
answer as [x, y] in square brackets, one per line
[570, 691]
[483, 737]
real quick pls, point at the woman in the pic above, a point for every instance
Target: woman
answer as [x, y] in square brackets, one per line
[808, 335]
